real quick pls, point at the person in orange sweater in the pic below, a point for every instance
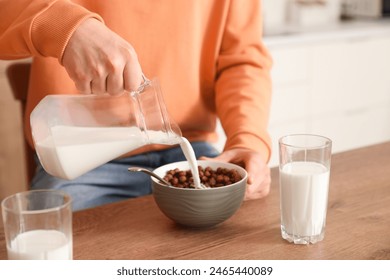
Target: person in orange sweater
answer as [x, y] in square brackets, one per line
[208, 56]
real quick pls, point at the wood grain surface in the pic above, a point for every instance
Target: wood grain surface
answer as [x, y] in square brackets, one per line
[358, 223]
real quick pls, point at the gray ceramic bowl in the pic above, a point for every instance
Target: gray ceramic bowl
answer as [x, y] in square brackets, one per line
[195, 207]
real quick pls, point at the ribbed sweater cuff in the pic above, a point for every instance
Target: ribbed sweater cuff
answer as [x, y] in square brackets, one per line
[53, 27]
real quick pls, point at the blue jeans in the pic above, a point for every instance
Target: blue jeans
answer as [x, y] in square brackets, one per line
[112, 181]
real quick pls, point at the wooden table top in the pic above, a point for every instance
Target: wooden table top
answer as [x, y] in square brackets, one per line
[358, 223]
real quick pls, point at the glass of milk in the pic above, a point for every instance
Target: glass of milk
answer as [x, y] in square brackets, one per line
[38, 225]
[304, 184]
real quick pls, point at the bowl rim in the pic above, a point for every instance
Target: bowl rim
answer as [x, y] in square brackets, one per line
[235, 166]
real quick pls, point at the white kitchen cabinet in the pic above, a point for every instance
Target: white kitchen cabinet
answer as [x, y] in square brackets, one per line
[289, 114]
[291, 65]
[350, 74]
[339, 88]
[353, 129]
[289, 104]
[291, 94]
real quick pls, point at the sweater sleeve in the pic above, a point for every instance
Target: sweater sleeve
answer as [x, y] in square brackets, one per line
[243, 87]
[38, 28]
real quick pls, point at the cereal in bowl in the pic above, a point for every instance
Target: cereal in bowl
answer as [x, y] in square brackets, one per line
[208, 177]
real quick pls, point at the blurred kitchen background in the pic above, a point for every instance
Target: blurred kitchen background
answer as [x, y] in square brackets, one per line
[331, 76]
[331, 72]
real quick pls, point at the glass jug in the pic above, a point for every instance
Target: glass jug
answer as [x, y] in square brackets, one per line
[74, 134]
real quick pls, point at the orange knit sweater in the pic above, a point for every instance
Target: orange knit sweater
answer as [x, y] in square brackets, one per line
[208, 56]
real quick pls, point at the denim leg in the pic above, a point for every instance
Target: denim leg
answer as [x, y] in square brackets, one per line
[112, 182]
[108, 183]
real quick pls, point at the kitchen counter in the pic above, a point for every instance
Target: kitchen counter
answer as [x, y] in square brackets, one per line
[348, 29]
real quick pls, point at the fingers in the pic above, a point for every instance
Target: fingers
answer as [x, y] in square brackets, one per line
[126, 74]
[259, 178]
[117, 80]
[115, 83]
[112, 80]
[255, 168]
[259, 174]
[98, 85]
[132, 79]
[83, 85]
[100, 61]
[260, 188]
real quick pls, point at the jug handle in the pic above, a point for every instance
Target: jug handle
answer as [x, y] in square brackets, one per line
[142, 86]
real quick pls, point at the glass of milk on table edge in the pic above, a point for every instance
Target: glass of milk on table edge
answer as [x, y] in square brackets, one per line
[38, 225]
[74, 134]
[304, 169]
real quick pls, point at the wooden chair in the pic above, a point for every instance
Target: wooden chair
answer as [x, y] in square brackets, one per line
[18, 75]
